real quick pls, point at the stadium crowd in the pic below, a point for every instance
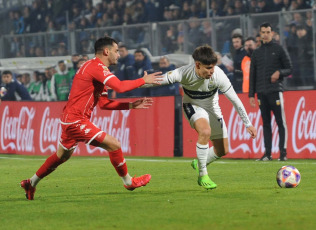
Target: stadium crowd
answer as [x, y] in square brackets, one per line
[49, 16]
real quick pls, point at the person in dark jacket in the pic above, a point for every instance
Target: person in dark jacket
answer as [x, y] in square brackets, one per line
[142, 64]
[269, 65]
[12, 90]
[165, 90]
[124, 70]
[239, 54]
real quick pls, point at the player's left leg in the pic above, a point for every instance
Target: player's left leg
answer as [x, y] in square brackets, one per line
[48, 167]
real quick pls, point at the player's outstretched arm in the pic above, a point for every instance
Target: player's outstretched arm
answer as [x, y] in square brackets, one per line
[252, 131]
[143, 103]
[153, 78]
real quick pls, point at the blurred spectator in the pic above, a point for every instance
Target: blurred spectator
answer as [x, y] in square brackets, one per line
[195, 35]
[166, 90]
[286, 5]
[74, 59]
[207, 31]
[124, 70]
[292, 48]
[61, 81]
[301, 5]
[169, 40]
[215, 10]
[240, 53]
[18, 23]
[277, 5]
[142, 64]
[253, 7]
[26, 80]
[27, 19]
[35, 86]
[81, 61]
[47, 92]
[12, 90]
[185, 10]
[39, 52]
[250, 46]
[37, 16]
[85, 57]
[263, 7]
[61, 49]
[239, 7]
[221, 65]
[305, 55]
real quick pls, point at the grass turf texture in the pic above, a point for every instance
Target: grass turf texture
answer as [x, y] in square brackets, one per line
[85, 193]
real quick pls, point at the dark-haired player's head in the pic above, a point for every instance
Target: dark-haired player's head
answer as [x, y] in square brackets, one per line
[204, 54]
[205, 60]
[266, 32]
[103, 42]
[106, 49]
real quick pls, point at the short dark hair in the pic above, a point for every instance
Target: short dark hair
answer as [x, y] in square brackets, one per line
[237, 36]
[251, 39]
[140, 51]
[7, 72]
[265, 25]
[102, 42]
[205, 54]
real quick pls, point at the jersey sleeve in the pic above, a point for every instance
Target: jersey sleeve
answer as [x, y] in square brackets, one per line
[170, 77]
[238, 105]
[105, 103]
[124, 86]
[223, 82]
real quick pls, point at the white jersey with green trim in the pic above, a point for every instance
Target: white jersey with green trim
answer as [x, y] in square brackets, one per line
[204, 92]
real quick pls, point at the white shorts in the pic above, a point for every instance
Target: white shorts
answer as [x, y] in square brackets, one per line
[215, 119]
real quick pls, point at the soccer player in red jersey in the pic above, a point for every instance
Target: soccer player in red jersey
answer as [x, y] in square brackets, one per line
[89, 89]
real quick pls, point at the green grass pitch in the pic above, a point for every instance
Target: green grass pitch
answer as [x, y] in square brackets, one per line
[85, 193]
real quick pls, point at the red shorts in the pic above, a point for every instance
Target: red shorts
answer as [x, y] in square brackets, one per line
[80, 131]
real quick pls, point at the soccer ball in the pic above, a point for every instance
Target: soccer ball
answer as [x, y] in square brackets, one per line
[3, 91]
[288, 177]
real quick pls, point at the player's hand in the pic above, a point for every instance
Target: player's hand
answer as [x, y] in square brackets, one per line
[252, 101]
[252, 131]
[153, 78]
[143, 103]
[275, 76]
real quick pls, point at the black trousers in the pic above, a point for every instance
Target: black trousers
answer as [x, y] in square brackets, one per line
[273, 102]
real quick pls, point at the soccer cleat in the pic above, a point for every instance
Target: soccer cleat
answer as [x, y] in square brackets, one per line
[194, 165]
[283, 158]
[265, 158]
[138, 182]
[206, 182]
[29, 189]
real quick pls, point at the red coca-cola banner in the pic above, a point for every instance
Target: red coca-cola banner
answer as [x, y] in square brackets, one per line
[300, 112]
[33, 128]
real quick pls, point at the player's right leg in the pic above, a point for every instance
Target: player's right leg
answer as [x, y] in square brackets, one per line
[203, 129]
[51, 163]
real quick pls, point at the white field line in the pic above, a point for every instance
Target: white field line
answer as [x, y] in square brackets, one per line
[231, 161]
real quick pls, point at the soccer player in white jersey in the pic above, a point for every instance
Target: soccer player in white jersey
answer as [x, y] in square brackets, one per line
[201, 82]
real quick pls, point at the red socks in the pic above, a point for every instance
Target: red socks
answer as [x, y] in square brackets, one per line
[118, 161]
[49, 166]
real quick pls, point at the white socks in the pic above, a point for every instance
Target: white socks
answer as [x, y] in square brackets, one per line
[202, 152]
[211, 156]
[127, 180]
[34, 180]
[205, 156]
